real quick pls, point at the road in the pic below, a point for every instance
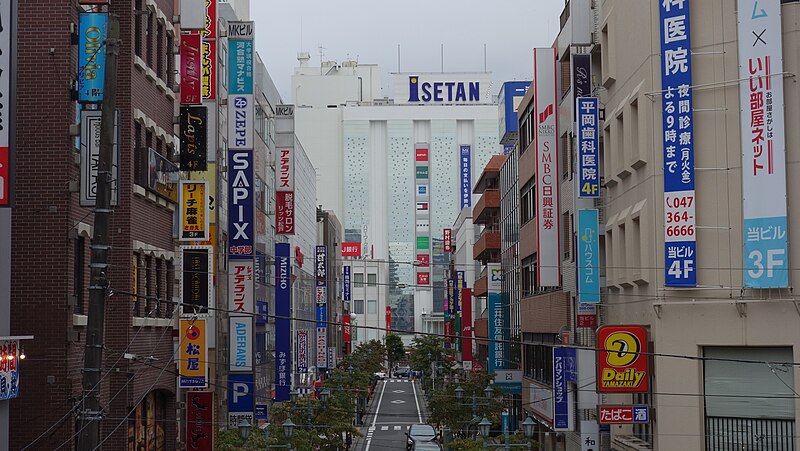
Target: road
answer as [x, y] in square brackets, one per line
[396, 405]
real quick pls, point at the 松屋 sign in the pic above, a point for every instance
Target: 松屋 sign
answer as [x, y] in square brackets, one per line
[193, 366]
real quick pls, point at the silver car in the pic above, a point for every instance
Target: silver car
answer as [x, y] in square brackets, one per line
[422, 437]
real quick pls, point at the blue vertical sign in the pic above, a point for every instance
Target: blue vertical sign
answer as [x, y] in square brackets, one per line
[241, 244]
[588, 147]
[588, 256]
[564, 372]
[92, 34]
[680, 244]
[466, 177]
[499, 332]
[283, 349]
[347, 293]
[321, 268]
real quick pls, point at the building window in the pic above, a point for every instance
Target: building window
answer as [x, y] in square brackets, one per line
[149, 38]
[566, 153]
[528, 276]
[149, 286]
[566, 235]
[358, 306]
[170, 80]
[749, 405]
[372, 280]
[527, 204]
[358, 280]
[160, 53]
[79, 272]
[137, 28]
[160, 306]
[538, 357]
[148, 426]
[643, 431]
[566, 75]
[137, 284]
[170, 288]
[372, 306]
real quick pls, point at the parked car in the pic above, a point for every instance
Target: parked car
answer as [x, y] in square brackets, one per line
[381, 375]
[422, 437]
[403, 371]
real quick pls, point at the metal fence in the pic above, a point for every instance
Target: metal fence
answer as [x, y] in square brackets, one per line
[749, 434]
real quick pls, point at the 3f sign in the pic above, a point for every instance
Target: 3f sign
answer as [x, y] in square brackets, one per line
[774, 259]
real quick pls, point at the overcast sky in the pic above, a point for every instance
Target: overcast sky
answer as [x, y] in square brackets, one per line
[370, 30]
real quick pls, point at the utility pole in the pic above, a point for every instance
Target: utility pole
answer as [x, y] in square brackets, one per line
[90, 414]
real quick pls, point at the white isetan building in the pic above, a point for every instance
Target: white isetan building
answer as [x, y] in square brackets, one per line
[391, 169]
[720, 378]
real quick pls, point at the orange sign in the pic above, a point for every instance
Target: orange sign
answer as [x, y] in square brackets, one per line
[193, 363]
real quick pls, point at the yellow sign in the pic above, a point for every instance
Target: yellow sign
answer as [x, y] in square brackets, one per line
[194, 214]
[193, 362]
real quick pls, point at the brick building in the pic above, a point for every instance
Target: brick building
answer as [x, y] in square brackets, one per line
[52, 233]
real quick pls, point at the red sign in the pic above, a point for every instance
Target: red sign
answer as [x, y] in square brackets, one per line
[466, 324]
[587, 320]
[191, 69]
[284, 212]
[622, 361]
[298, 256]
[421, 155]
[623, 414]
[351, 249]
[424, 260]
[346, 328]
[200, 420]
[5, 173]
[448, 240]
[423, 278]
[388, 318]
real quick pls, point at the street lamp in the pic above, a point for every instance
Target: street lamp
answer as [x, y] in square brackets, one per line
[288, 429]
[293, 395]
[527, 426]
[244, 429]
[459, 393]
[324, 394]
[484, 427]
[489, 391]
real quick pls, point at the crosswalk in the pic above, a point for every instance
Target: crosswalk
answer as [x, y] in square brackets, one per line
[398, 380]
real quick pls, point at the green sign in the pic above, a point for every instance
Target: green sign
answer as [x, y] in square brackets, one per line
[423, 242]
[422, 172]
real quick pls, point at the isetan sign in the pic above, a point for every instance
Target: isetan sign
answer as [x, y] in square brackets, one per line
[442, 91]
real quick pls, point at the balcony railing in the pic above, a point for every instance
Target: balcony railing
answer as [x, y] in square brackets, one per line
[749, 434]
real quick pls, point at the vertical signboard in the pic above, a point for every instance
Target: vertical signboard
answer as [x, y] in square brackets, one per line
[191, 68]
[193, 14]
[194, 217]
[302, 351]
[466, 176]
[346, 332]
[194, 135]
[564, 372]
[422, 213]
[466, 325]
[193, 363]
[92, 34]
[200, 420]
[347, 295]
[680, 244]
[622, 361]
[581, 75]
[9, 369]
[284, 204]
[283, 303]
[498, 330]
[209, 53]
[321, 275]
[766, 252]
[197, 281]
[447, 240]
[241, 305]
[90, 158]
[240, 197]
[588, 147]
[241, 398]
[240, 85]
[588, 256]
[547, 176]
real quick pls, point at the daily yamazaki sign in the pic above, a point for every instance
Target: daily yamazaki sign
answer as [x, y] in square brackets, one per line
[622, 361]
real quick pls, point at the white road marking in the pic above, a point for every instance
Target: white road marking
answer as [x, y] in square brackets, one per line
[397, 428]
[416, 401]
[384, 428]
[377, 411]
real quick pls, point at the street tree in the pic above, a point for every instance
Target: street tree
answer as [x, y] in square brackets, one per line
[395, 351]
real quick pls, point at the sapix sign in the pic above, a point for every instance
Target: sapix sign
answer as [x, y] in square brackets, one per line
[240, 196]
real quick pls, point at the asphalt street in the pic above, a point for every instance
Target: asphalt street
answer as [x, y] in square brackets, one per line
[395, 406]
